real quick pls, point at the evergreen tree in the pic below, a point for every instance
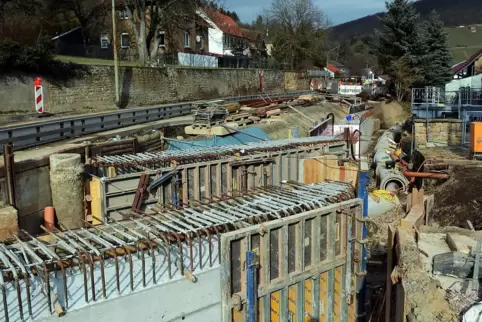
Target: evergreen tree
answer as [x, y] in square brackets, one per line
[401, 36]
[439, 59]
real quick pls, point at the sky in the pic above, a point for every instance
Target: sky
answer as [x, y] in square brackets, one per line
[337, 11]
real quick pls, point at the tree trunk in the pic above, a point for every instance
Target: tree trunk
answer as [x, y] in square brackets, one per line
[141, 39]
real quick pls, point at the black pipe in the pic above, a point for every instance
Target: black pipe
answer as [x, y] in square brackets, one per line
[351, 148]
[332, 123]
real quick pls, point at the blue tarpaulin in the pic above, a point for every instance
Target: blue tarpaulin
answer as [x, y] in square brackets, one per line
[247, 135]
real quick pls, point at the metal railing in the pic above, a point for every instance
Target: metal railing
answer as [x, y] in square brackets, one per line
[434, 102]
[42, 132]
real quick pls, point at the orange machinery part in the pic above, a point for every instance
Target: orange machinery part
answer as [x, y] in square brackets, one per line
[476, 137]
[49, 218]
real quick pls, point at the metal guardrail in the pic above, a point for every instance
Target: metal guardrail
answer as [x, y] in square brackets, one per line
[42, 132]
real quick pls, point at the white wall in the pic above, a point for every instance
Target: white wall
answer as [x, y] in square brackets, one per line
[215, 37]
[195, 60]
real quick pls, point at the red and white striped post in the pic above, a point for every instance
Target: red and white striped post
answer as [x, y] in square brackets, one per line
[39, 95]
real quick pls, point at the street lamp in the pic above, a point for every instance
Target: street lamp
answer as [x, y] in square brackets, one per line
[116, 62]
[328, 53]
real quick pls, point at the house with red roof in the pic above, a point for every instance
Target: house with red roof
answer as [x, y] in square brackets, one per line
[336, 69]
[234, 39]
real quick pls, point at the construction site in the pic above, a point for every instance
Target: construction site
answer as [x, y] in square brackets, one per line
[294, 206]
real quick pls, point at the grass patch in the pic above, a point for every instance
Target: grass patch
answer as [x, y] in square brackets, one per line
[97, 61]
[464, 37]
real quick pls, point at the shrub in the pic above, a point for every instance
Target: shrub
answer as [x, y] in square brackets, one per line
[16, 57]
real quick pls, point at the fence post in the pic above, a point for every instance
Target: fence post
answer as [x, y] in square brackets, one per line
[459, 103]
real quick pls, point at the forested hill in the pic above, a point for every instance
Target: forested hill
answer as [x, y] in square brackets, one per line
[452, 12]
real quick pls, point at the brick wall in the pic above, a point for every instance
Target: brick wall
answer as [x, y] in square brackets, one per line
[445, 131]
[140, 87]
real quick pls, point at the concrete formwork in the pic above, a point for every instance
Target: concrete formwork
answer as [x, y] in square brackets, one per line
[203, 181]
[168, 260]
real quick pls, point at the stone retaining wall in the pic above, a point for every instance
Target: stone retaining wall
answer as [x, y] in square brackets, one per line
[141, 87]
[441, 131]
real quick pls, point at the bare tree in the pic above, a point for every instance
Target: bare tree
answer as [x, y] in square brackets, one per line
[148, 17]
[298, 29]
[405, 77]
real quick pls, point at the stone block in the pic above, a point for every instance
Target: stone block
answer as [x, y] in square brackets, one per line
[8, 222]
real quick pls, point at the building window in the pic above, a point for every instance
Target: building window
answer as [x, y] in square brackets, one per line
[123, 14]
[187, 39]
[125, 40]
[162, 39]
[104, 40]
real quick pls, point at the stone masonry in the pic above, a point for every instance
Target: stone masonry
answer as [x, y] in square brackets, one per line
[442, 131]
[141, 87]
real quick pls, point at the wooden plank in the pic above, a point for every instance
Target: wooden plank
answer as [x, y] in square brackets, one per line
[337, 294]
[323, 297]
[415, 217]
[197, 186]
[459, 243]
[96, 203]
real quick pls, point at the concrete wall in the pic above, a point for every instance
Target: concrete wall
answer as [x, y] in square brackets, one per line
[32, 194]
[444, 131]
[192, 302]
[141, 87]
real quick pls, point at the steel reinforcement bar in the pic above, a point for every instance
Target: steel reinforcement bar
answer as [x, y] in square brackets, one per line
[157, 247]
[42, 132]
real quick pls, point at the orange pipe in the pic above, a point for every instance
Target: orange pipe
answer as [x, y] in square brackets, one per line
[426, 175]
[49, 218]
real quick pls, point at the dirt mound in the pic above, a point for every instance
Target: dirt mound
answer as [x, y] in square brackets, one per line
[391, 113]
[459, 199]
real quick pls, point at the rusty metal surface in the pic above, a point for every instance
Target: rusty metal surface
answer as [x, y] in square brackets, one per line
[146, 248]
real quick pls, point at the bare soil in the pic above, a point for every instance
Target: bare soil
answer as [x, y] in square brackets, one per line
[391, 113]
[458, 199]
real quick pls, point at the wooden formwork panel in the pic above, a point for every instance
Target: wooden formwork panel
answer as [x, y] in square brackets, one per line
[327, 168]
[306, 266]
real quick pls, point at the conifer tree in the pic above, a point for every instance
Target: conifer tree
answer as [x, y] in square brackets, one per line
[401, 36]
[439, 59]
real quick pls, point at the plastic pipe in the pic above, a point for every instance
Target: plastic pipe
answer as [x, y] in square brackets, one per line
[49, 218]
[426, 175]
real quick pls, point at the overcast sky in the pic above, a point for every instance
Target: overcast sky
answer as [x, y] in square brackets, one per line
[338, 11]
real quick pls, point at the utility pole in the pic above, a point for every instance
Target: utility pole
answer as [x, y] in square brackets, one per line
[116, 61]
